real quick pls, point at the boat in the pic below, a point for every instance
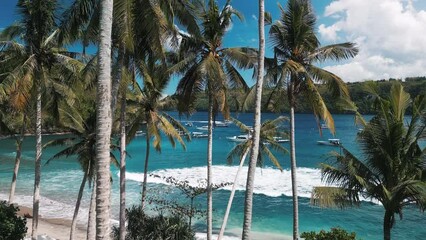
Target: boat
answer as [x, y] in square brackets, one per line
[203, 128]
[324, 126]
[281, 140]
[139, 133]
[239, 138]
[222, 124]
[189, 124]
[330, 142]
[199, 135]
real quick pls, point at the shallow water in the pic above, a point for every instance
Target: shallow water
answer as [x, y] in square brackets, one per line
[272, 201]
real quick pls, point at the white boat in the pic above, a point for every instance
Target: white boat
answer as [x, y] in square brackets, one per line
[189, 124]
[139, 133]
[281, 140]
[199, 135]
[239, 138]
[221, 124]
[203, 128]
[330, 142]
[324, 126]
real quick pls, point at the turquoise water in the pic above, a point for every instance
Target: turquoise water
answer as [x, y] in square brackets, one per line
[272, 200]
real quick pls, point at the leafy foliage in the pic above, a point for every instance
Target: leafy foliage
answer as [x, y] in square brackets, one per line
[334, 234]
[143, 227]
[12, 227]
[191, 192]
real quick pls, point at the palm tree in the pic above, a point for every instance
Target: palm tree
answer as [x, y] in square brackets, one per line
[207, 66]
[268, 131]
[33, 64]
[156, 77]
[103, 123]
[81, 144]
[296, 49]
[248, 205]
[391, 166]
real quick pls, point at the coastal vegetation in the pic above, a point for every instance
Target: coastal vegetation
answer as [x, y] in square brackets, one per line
[11, 225]
[391, 168]
[107, 98]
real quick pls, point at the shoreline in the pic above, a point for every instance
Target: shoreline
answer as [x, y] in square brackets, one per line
[57, 228]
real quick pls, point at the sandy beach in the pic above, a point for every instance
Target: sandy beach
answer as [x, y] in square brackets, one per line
[54, 228]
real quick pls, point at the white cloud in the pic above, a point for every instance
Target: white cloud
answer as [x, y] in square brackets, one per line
[391, 35]
[254, 17]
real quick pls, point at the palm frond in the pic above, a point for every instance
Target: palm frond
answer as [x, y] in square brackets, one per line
[335, 52]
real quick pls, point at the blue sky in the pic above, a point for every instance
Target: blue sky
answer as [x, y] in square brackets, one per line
[391, 34]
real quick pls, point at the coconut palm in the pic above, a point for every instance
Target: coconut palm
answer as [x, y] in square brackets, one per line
[269, 130]
[103, 123]
[257, 126]
[296, 49]
[30, 46]
[156, 77]
[391, 168]
[207, 66]
[81, 144]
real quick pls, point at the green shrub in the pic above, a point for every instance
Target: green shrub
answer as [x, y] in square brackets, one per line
[143, 227]
[12, 227]
[334, 234]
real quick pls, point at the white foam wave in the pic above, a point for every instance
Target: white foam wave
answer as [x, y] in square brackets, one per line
[268, 181]
[50, 208]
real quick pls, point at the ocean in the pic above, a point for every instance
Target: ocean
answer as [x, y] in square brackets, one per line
[272, 211]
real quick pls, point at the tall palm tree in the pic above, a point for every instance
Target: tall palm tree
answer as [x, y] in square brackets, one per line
[30, 46]
[392, 166]
[82, 144]
[156, 77]
[248, 202]
[296, 49]
[103, 123]
[268, 131]
[208, 66]
[145, 24]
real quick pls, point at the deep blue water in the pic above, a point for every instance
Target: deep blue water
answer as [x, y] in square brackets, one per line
[272, 200]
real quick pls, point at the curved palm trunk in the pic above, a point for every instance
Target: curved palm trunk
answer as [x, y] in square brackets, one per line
[19, 142]
[103, 124]
[91, 221]
[256, 135]
[37, 168]
[145, 171]
[77, 205]
[231, 197]
[122, 233]
[209, 171]
[387, 225]
[293, 175]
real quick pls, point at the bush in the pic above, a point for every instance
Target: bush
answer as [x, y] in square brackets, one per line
[143, 227]
[333, 234]
[12, 227]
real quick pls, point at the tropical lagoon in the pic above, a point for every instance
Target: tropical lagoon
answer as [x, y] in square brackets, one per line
[272, 201]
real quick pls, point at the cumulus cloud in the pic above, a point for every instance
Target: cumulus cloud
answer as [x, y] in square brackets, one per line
[391, 35]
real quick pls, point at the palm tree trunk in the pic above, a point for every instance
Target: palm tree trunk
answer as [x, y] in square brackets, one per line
[387, 225]
[231, 197]
[122, 233]
[145, 171]
[117, 79]
[91, 221]
[19, 142]
[256, 135]
[293, 174]
[37, 168]
[103, 124]
[77, 204]
[209, 170]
